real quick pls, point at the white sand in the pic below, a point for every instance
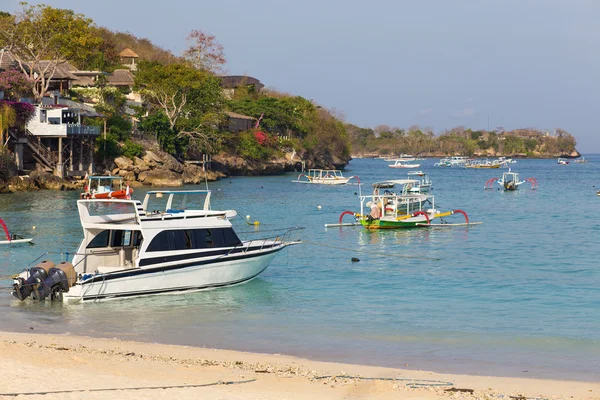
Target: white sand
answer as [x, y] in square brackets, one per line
[80, 366]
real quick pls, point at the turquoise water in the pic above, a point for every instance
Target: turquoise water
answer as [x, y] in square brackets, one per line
[518, 295]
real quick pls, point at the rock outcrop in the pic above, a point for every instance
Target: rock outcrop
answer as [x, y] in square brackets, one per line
[37, 180]
[157, 168]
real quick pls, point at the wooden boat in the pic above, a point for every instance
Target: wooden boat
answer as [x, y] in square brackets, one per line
[106, 187]
[12, 238]
[510, 181]
[424, 182]
[325, 177]
[390, 210]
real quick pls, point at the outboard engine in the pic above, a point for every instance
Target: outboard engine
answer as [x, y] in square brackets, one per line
[60, 279]
[38, 274]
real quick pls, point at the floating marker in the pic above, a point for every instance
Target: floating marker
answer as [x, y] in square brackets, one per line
[318, 207]
[247, 217]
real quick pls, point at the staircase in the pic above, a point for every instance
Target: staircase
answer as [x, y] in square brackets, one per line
[41, 153]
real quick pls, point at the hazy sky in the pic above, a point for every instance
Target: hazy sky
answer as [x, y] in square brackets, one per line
[436, 63]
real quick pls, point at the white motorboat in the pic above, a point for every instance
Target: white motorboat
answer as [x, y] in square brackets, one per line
[562, 161]
[325, 177]
[424, 184]
[403, 164]
[128, 250]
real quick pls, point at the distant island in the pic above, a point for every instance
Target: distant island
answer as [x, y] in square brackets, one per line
[532, 143]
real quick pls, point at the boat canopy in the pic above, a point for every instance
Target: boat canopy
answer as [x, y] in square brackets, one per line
[172, 193]
[391, 183]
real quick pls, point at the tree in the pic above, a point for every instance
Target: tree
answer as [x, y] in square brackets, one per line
[41, 38]
[204, 53]
[8, 119]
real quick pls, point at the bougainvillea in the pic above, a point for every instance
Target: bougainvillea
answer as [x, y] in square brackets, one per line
[24, 111]
[15, 84]
[261, 137]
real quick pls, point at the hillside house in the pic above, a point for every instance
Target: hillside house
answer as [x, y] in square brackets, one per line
[233, 83]
[56, 140]
[128, 58]
[238, 122]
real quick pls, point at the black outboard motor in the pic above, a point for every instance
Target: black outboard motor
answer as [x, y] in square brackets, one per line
[38, 274]
[60, 279]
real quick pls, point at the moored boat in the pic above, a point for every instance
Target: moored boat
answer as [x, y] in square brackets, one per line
[106, 187]
[129, 250]
[510, 181]
[424, 182]
[399, 163]
[12, 238]
[562, 161]
[391, 210]
[325, 177]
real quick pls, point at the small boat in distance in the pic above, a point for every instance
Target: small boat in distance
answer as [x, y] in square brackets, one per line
[106, 187]
[581, 160]
[510, 181]
[399, 163]
[424, 184]
[325, 177]
[128, 250]
[12, 238]
[562, 161]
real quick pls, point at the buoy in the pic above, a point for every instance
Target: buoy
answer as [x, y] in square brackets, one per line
[318, 207]
[354, 259]
[256, 223]
[33, 227]
[247, 217]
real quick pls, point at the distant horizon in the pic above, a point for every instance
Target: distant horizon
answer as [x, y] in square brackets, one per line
[437, 64]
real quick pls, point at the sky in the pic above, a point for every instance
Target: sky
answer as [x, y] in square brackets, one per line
[434, 63]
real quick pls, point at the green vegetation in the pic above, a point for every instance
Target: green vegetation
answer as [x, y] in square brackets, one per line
[415, 140]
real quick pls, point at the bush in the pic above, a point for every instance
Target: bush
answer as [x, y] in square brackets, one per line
[108, 149]
[132, 149]
[249, 147]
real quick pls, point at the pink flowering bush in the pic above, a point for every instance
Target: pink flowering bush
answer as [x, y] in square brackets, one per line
[15, 84]
[24, 111]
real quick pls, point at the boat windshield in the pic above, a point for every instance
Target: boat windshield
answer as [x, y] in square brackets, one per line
[105, 184]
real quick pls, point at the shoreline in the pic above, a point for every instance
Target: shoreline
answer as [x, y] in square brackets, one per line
[80, 366]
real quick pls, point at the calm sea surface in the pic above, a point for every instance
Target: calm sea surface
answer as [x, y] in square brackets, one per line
[518, 295]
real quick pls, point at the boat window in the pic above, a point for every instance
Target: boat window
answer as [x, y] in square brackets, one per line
[172, 240]
[121, 238]
[160, 242]
[225, 237]
[100, 240]
[203, 238]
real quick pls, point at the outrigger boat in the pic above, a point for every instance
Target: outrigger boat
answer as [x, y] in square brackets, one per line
[106, 187]
[510, 181]
[128, 250]
[325, 177]
[389, 210]
[12, 238]
[562, 161]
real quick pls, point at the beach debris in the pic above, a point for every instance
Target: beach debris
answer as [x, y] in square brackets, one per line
[453, 389]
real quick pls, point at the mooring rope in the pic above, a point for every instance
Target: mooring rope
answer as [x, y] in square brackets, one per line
[129, 388]
[377, 253]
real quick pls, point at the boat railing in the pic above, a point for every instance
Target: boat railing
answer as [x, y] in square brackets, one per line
[275, 237]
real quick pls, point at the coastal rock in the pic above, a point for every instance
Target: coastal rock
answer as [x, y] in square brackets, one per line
[128, 176]
[124, 163]
[160, 177]
[193, 174]
[171, 163]
[152, 159]
[140, 164]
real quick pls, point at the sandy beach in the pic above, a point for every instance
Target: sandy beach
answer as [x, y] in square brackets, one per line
[72, 367]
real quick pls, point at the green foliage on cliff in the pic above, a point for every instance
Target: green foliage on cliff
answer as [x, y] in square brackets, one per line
[415, 140]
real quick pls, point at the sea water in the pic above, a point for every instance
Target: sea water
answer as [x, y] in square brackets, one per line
[518, 295]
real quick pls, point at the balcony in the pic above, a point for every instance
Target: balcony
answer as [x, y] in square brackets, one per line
[76, 129]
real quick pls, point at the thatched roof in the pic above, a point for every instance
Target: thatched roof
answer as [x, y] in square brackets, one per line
[128, 53]
[121, 77]
[63, 70]
[238, 116]
[234, 81]
[7, 60]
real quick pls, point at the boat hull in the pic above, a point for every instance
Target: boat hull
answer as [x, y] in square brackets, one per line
[413, 222]
[170, 278]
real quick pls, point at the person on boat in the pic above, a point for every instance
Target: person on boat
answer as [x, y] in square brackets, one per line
[375, 211]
